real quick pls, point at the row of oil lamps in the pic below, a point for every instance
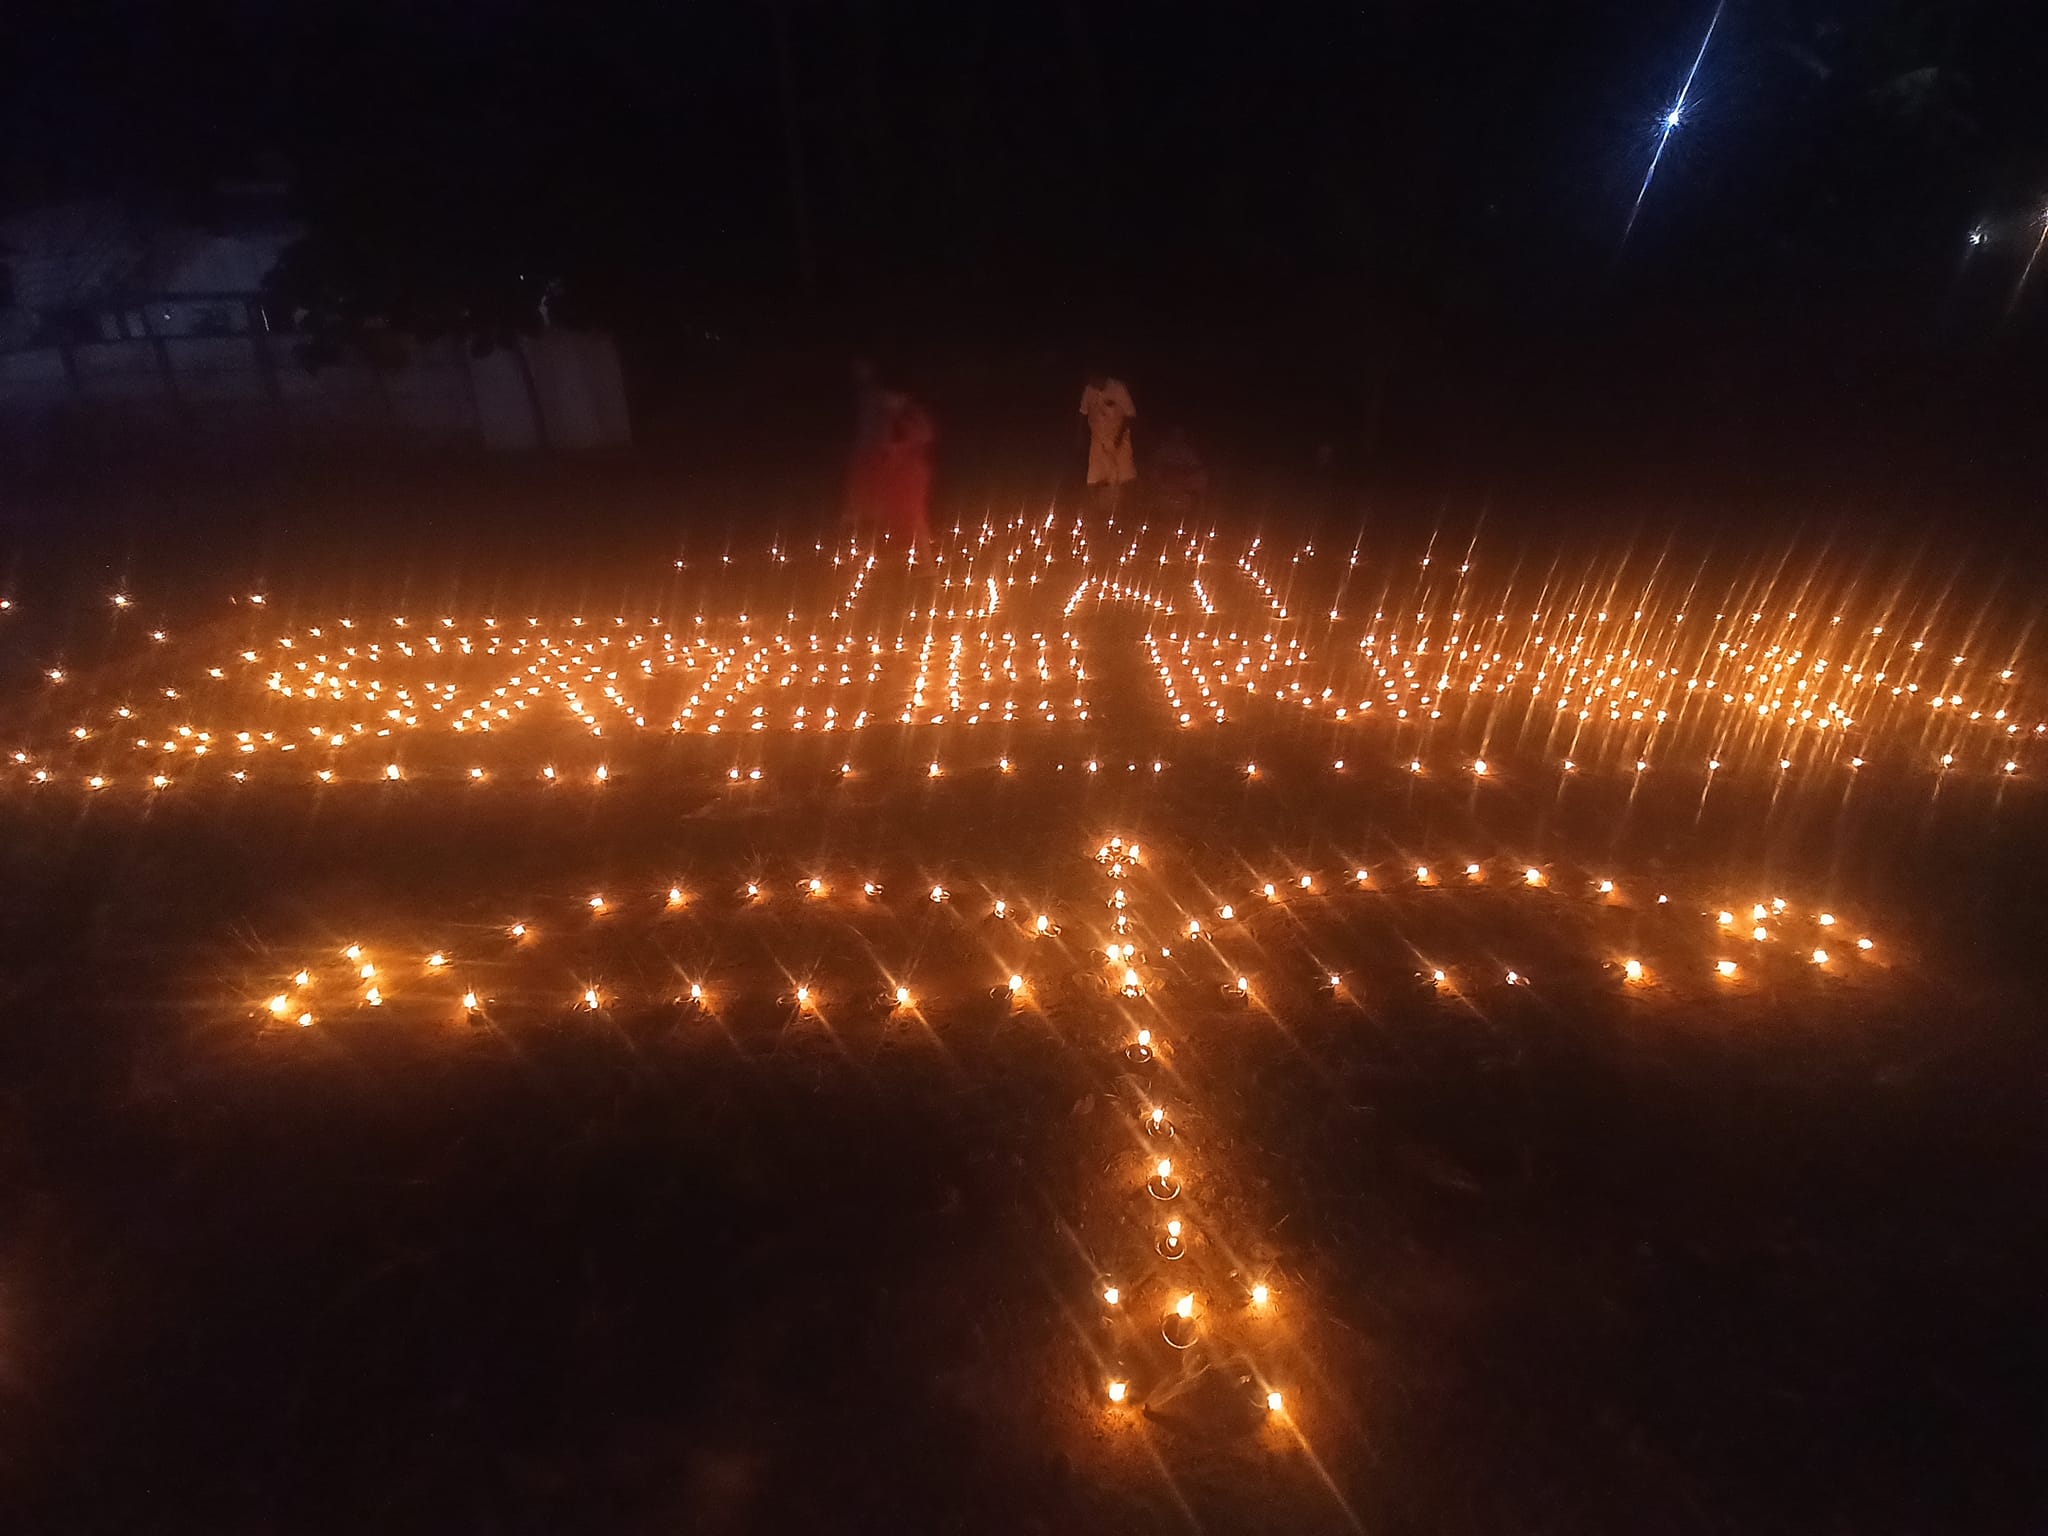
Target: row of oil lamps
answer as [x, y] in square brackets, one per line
[1179, 1326]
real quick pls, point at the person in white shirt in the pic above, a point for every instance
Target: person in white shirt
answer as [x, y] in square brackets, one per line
[1107, 405]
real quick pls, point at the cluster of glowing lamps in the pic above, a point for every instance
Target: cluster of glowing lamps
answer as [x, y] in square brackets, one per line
[1179, 1324]
[1002, 626]
[1669, 678]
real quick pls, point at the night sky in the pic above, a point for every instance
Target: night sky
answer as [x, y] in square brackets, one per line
[1395, 227]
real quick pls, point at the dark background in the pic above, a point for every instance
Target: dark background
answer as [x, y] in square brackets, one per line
[1581, 1266]
[1393, 231]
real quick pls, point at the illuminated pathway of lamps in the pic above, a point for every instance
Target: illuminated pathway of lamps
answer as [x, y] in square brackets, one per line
[1636, 666]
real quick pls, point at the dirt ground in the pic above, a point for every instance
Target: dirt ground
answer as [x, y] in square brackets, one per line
[1572, 1252]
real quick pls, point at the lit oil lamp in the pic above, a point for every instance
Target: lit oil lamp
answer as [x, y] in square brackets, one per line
[1179, 1326]
[1171, 1244]
[1163, 1185]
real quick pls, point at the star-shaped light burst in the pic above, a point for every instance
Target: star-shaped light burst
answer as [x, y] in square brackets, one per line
[1674, 117]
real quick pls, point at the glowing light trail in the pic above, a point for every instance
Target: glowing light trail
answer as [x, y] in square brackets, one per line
[1671, 120]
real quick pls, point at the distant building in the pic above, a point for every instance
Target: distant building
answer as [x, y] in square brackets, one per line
[92, 271]
[121, 334]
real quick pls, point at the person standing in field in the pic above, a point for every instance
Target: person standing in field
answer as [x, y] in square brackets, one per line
[903, 473]
[1111, 466]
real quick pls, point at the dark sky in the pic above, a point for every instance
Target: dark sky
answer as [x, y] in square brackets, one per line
[1440, 184]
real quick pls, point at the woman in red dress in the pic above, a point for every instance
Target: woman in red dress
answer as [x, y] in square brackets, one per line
[901, 479]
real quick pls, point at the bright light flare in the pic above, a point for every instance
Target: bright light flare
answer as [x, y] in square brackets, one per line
[1674, 116]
